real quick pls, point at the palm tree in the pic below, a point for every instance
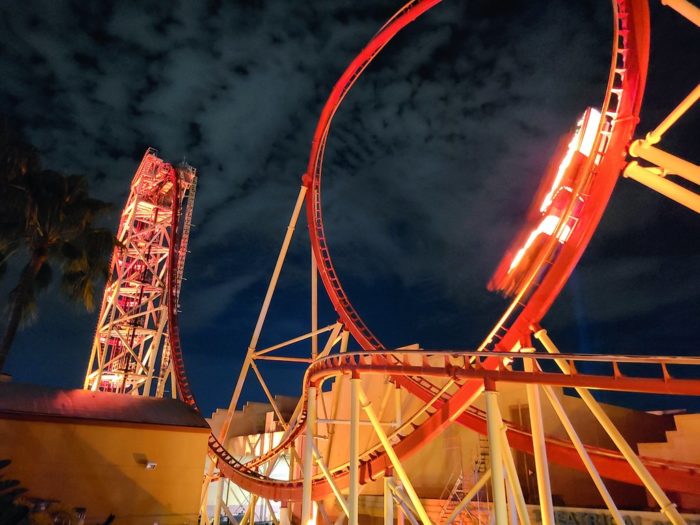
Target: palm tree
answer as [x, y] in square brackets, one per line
[50, 215]
[17, 159]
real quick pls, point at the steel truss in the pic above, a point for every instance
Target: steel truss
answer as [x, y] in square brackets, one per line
[464, 377]
[131, 351]
[447, 383]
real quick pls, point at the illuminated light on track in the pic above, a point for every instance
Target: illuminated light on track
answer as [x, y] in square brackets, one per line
[549, 210]
[581, 142]
[547, 227]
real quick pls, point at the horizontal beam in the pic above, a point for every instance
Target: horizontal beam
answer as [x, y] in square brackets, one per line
[347, 422]
[295, 340]
[620, 383]
[283, 358]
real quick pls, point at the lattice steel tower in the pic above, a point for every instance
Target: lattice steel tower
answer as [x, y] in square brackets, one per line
[131, 352]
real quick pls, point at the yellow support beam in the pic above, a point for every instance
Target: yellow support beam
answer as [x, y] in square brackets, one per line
[663, 186]
[685, 8]
[494, 424]
[396, 463]
[668, 163]
[668, 508]
[306, 502]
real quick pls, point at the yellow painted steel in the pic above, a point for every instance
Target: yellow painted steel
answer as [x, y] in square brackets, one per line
[308, 455]
[544, 489]
[269, 395]
[388, 502]
[354, 496]
[314, 305]
[314, 332]
[663, 186]
[653, 137]
[396, 463]
[217, 505]
[514, 486]
[685, 8]
[667, 162]
[494, 424]
[581, 449]
[667, 507]
[327, 474]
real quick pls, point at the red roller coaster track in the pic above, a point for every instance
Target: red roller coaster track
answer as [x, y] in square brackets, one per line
[544, 281]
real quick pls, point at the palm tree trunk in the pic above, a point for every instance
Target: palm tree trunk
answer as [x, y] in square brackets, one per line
[20, 297]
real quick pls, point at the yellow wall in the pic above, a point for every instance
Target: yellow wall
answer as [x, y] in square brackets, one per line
[102, 468]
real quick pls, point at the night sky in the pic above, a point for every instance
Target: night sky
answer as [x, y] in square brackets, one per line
[431, 165]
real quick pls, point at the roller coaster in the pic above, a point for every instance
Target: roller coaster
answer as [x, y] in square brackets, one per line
[565, 214]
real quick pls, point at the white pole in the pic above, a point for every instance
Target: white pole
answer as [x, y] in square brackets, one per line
[398, 467]
[223, 432]
[329, 477]
[661, 185]
[219, 497]
[388, 499]
[515, 491]
[265, 307]
[510, 500]
[353, 498]
[284, 516]
[307, 474]
[314, 306]
[494, 423]
[653, 137]
[581, 449]
[544, 488]
[667, 508]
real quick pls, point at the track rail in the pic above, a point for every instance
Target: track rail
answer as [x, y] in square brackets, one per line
[675, 476]
[620, 110]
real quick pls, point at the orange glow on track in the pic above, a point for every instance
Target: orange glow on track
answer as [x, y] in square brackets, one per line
[547, 227]
[582, 142]
[548, 209]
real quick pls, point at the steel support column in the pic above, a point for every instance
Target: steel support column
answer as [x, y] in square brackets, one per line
[581, 449]
[544, 488]
[250, 354]
[388, 499]
[354, 496]
[314, 306]
[329, 477]
[667, 507]
[512, 480]
[663, 186]
[666, 161]
[494, 424]
[654, 136]
[217, 506]
[685, 8]
[307, 473]
[395, 461]
[284, 516]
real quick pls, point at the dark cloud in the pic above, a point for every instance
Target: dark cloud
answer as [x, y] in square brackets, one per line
[431, 163]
